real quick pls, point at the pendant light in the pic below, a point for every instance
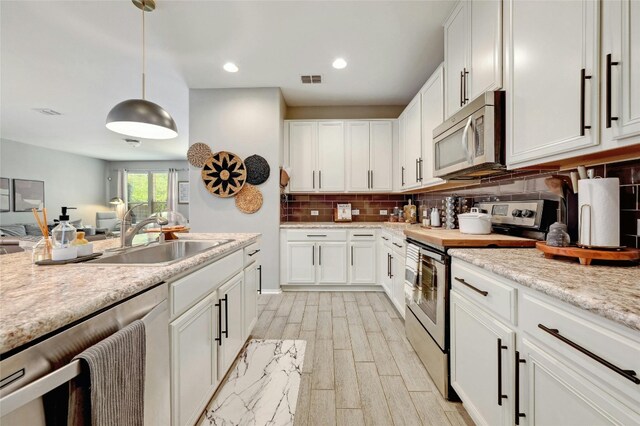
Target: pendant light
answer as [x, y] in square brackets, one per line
[139, 117]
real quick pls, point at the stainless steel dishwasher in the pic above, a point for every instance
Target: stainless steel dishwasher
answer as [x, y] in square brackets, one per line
[34, 382]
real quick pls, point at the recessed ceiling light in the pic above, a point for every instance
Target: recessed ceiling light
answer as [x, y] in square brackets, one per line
[339, 64]
[230, 67]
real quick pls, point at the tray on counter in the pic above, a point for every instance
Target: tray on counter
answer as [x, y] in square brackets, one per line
[79, 259]
[586, 256]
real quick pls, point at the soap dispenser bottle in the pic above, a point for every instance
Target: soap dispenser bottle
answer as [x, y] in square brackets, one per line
[64, 233]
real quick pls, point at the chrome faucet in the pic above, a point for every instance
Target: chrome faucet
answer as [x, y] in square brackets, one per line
[128, 232]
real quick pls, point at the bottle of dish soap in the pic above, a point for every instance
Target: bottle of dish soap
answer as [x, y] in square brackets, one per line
[64, 233]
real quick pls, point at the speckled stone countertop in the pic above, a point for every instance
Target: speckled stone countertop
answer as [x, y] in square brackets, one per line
[390, 226]
[613, 292]
[36, 300]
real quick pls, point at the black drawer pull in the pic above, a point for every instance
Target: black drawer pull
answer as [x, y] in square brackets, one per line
[385, 238]
[363, 235]
[316, 235]
[219, 306]
[474, 288]
[501, 396]
[253, 253]
[260, 279]
[518, 361]
[627, 374]
[397, 245]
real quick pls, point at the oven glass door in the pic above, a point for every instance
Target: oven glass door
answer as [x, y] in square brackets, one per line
[429, 296]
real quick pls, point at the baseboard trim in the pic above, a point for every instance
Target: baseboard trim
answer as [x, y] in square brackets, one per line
[321, 288]
[271, 291]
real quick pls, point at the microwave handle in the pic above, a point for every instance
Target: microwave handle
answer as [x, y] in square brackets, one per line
[465, 140]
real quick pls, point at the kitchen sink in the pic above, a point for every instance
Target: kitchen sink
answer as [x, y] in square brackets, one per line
[159, 254]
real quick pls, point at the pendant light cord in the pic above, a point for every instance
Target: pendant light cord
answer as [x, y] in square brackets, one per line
[143, 55]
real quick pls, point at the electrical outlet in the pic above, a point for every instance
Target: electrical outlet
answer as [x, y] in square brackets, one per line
[314, 212]
[355, 212]
[383, 212]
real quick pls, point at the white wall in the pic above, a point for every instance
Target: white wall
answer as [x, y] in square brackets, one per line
[114, 166]
[245, 122]
[69, 180]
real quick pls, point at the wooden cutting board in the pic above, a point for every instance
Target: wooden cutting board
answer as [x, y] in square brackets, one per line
[454, 238]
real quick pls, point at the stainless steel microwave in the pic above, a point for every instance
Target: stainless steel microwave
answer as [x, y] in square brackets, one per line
[471, 143]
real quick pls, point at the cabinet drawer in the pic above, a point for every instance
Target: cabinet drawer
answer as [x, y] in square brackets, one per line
[187, 291]
[251, 253]
[317, 235]
[362, 234]
[386, 238]
[484, 288]
[594, 346]
[399, 244]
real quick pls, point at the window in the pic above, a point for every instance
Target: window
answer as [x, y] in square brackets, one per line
[148, 189]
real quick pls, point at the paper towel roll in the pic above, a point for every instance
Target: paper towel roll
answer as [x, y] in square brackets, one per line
[599, 220]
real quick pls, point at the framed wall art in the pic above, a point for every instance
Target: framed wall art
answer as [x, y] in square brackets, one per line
[5, 195]
[183, 192]
[28, 194]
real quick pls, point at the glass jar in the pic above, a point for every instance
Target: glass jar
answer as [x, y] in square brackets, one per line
[42, 250]
[63, 234]
[558, 236]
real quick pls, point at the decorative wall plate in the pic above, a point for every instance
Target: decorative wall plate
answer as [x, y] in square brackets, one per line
[224, 174]
[258, 169]
[198, 154]
[249, 199]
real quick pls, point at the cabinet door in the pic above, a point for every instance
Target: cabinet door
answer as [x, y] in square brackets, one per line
[397, 282]
[402, 166]
[381, 162]
[301, 261]
[251, 287]
[331, 156]
[231, 299]
[554, 393]
[485, 52]
[358, 155]
[362, 263]
[456, 44]
[549, 45]
[413, 143]
[193, 360]
[432, 98]
[621, 62]
[302, 156]
[332, 263]
[482, 350]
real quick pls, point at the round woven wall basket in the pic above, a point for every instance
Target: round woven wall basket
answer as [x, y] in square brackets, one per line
[224, 174]
[249, 199]
[258, 170]
[198, 154]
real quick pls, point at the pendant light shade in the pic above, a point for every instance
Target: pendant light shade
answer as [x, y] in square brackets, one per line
[141, 119]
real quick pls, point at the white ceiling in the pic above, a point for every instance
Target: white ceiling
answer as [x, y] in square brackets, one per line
[82, 57]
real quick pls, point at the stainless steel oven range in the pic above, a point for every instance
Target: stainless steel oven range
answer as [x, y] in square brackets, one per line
[427, 282]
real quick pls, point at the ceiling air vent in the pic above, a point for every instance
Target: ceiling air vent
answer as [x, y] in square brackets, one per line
[47, 111]
[311, 79]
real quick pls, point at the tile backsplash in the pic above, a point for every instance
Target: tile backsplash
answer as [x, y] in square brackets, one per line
[519, 185]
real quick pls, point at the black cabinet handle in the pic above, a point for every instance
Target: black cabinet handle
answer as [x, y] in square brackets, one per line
[363, 235]
[371, 179]
[385, 238]
[583, 81]
[474, 288]
[402, 175]
[608, 91]
[313, 255]
[226, 315]
[316, 235]
[500, 395]
[397, 245]
[260, 279]
[219, 306]
[314, 179]
[466, 99]
[390, 268]
[351, 255]
[388, 265]
[517, 396]
[461, 87]
[416, 169]
[368, 179]
[320, 255]
[420, 169]
[320, 179]
[627, 374]
[253, 253]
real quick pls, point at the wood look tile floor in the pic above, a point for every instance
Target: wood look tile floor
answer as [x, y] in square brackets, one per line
[359, 368]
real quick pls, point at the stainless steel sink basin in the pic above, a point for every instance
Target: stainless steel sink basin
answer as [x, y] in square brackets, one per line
[160, 254]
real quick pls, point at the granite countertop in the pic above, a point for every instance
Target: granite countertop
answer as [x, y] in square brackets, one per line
[612, 292]
[37, 300]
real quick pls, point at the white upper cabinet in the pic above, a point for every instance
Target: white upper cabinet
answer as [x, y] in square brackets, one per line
[302, 155]
[552, 89]
[358, 155]
[412, 143]
[456, 41]
[432, 98]
[381, 150]
[402, 127]
[472, 52]
[331, 156]
[620, 73]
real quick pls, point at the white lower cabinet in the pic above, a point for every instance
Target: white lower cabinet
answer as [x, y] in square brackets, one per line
[552, 364]
[252, 287]
[362, 264]
[332, 263]
[482, 349]
[231, 332]
[194, 354]
[397, 281]
[301, 262]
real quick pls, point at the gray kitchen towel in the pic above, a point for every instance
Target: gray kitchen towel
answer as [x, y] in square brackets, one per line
[113, 391]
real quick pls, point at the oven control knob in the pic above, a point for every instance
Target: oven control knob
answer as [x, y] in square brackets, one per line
[516, 213]
[528, 213]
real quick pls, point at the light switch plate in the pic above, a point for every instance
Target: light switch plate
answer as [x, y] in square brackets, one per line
[383, 212]
[314, 212]
[355, 212]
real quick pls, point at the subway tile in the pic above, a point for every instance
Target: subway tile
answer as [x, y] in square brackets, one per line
[628, 172]
[629, 197]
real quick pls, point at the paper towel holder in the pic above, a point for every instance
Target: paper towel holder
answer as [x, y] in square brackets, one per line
[580, 243]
